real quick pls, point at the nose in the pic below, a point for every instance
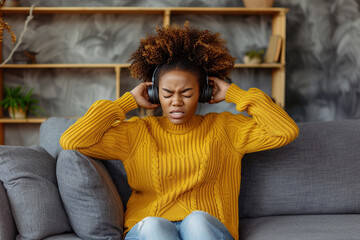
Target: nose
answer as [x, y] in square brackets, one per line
[177, 100]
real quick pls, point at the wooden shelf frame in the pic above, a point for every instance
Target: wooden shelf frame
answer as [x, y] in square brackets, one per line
[278, 27]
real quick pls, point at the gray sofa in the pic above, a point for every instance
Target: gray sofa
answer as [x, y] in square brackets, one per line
[309, 189]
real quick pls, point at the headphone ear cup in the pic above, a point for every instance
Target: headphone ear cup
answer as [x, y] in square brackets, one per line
[206, 94]
[153, 93]
[201, 97]
[156, 94]
[209, 92]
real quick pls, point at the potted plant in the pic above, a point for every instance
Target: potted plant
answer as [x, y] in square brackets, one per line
[253, 56]
[18, 100]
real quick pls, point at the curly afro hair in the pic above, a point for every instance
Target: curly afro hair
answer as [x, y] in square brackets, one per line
[175, 43]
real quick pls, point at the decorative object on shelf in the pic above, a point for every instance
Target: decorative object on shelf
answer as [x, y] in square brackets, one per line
[24, 57]
[18, 100]
[11, 3]
[253, 56]
[3, 25]
[273, 51]
[258, 3]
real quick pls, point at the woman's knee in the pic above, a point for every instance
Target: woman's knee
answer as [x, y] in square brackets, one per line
[155, 224]
[202, 225]
[153, 228]
[199, 217]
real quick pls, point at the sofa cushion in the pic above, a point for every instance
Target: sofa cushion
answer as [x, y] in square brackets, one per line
[90, 197]
[318, 173]
[7, 224]
[300, 227]
[28, 174]
[50, 133]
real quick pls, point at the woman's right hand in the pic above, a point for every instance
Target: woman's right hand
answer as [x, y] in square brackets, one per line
[141, 96]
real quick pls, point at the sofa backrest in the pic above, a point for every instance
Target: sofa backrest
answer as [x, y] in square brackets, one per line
[50, 133]
[318, 173]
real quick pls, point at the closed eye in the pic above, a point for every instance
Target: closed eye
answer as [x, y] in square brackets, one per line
[183, 96]
[171, 92]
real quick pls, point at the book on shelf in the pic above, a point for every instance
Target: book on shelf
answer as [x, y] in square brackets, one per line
[273, 51]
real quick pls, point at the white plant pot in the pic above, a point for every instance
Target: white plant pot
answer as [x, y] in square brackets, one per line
[19, 114]
[254, 60]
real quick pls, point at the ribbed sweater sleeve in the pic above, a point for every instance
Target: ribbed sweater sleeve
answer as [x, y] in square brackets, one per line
[268, 127]
[101, 132]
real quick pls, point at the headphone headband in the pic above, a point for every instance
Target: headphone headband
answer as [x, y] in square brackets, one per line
[153, 76]
[205, 93]
[157, 67]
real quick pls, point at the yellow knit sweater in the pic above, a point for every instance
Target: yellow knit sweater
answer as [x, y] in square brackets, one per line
[176, 169]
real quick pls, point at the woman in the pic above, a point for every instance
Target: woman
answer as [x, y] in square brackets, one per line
[184, 169]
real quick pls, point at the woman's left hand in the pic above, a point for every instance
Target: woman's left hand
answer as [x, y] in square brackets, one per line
[220, 88]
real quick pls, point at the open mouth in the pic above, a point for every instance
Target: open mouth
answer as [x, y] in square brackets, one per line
[177, 114]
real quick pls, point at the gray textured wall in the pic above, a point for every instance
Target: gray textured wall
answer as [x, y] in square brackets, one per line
[323, 45]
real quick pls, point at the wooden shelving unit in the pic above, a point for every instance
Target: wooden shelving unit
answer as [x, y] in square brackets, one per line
[278, 27]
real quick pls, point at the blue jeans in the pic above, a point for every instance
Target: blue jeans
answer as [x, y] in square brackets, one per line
[196, 226]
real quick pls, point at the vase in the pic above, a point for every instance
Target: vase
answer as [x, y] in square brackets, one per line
[17, 114]
[258, 3]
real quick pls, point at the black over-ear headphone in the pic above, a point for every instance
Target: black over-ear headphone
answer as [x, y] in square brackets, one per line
[153, 90]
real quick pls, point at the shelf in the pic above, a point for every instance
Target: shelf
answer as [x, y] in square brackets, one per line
[83, 10]
[28, 120]
[261, 65]
[123, 65]
[146, 10]
[67, 65]
[227, 10]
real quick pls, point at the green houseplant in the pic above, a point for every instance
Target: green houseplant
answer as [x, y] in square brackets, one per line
[19, 100]
[253, 56]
